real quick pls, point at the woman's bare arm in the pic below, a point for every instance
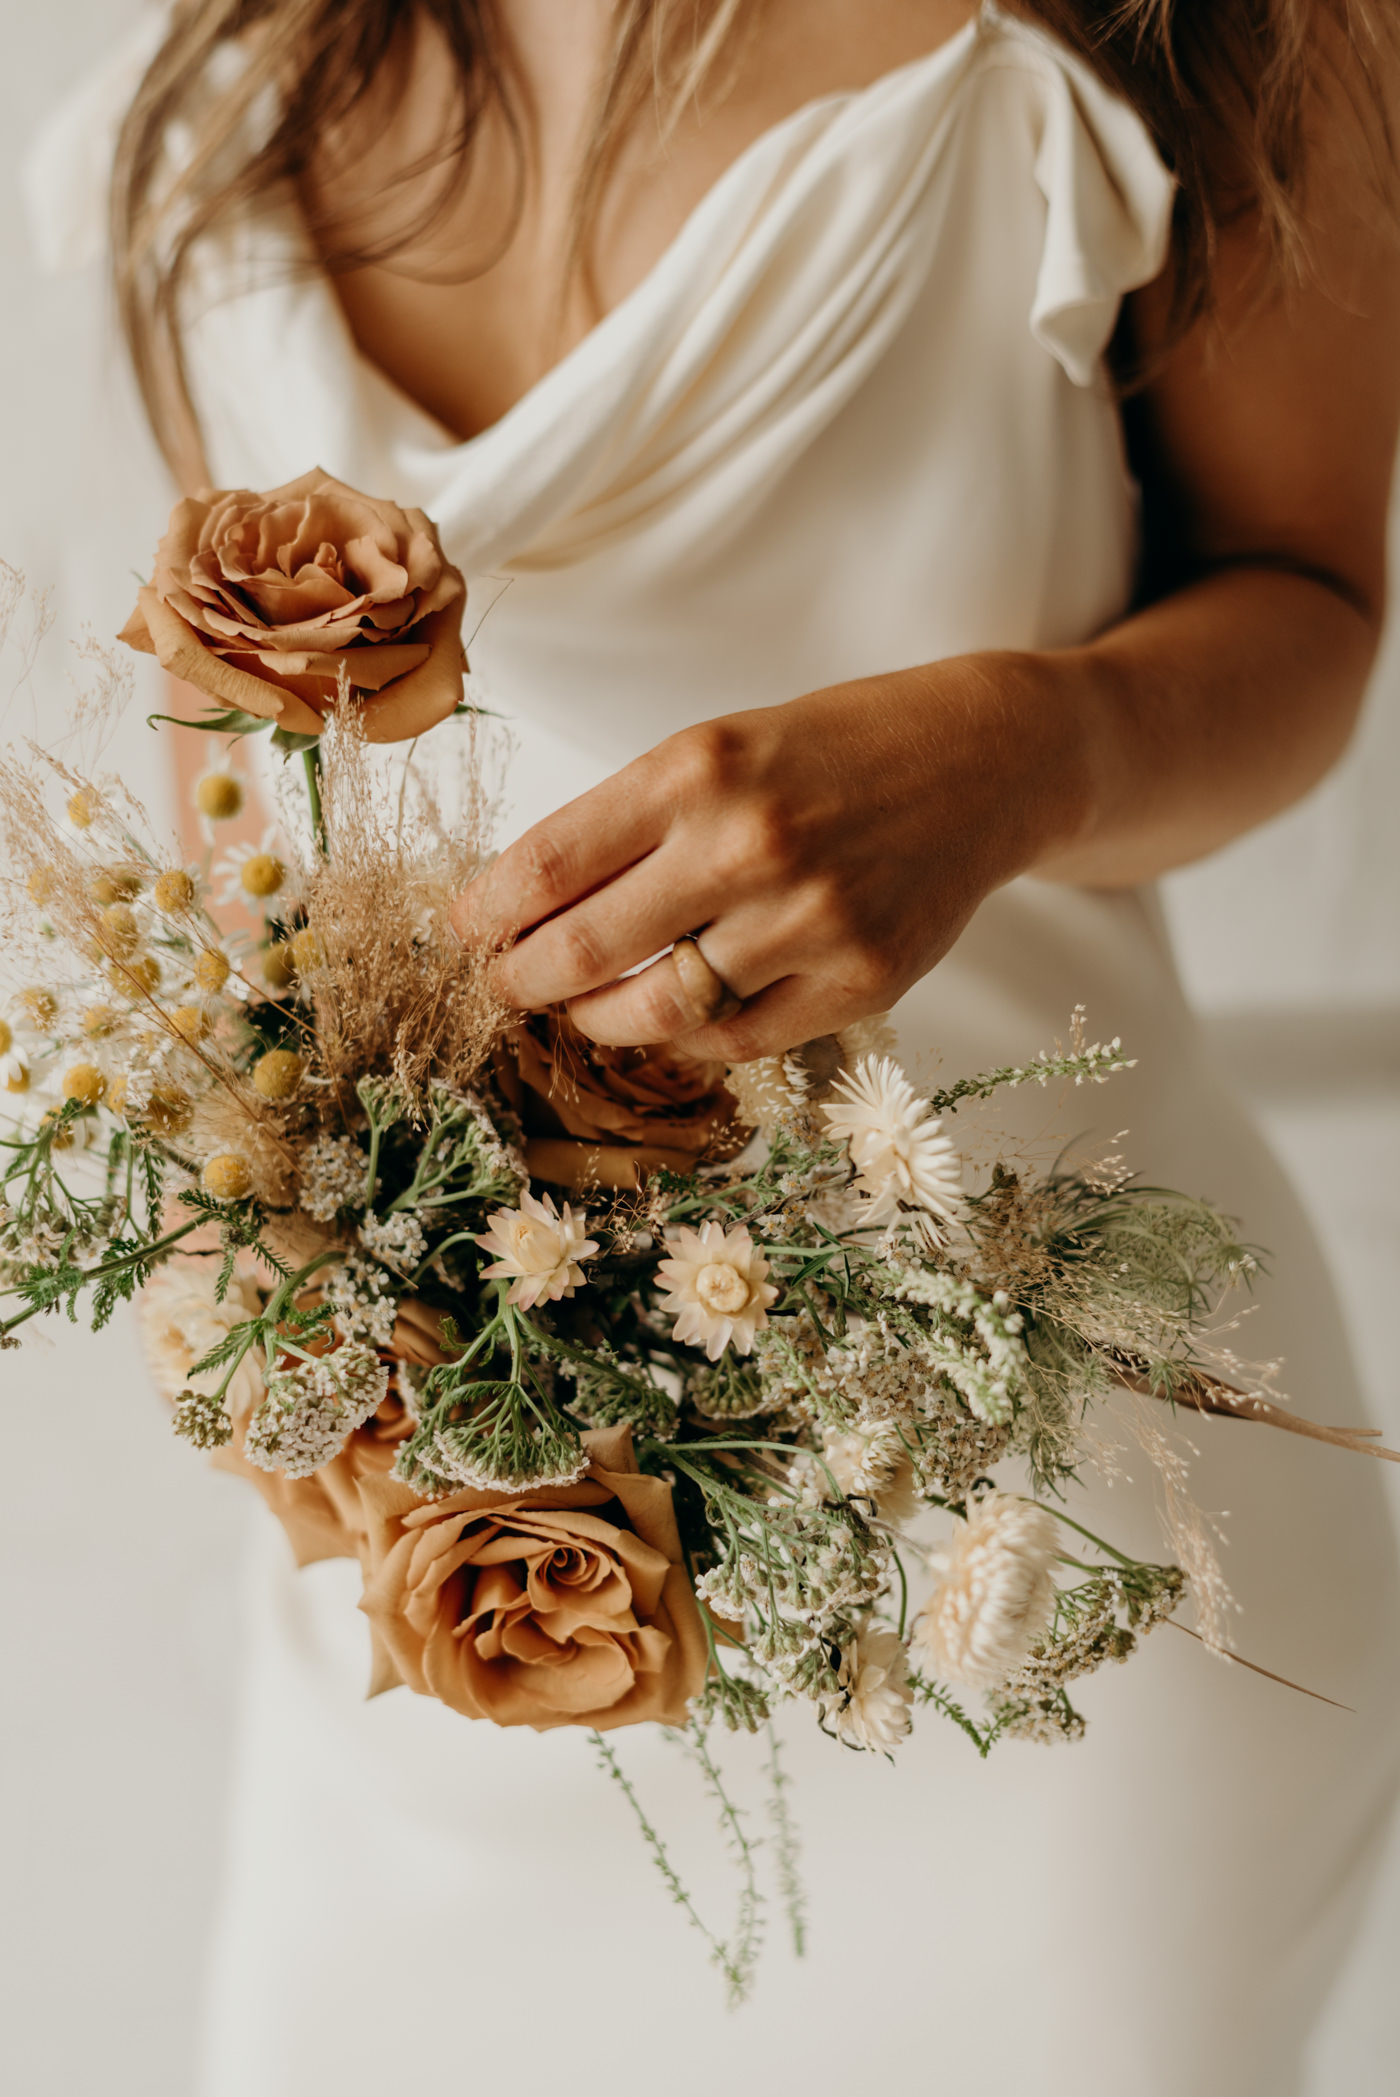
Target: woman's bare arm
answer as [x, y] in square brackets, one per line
[832, 849]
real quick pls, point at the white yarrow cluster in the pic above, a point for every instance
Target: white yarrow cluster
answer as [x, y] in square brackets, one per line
[538, 1249]
[399, 1240]
[871, 1707]
[364, 1298]
[311, 1411]
[995, 1597]
[717, 1288]
[896, 1143]
[332, 1176]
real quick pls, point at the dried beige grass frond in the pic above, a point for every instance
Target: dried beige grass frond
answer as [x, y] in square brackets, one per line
[394, 992]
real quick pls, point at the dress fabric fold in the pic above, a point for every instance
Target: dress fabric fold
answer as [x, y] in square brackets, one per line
[854, 419]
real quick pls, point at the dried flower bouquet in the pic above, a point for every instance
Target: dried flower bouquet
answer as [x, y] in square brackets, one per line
[631, 1383]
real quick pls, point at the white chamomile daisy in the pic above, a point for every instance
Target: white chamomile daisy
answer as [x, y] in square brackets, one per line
[254, 873]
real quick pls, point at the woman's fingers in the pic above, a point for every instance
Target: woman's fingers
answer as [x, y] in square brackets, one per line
[565, 857]
[795, 1009]
[631, 917]
[670, 999]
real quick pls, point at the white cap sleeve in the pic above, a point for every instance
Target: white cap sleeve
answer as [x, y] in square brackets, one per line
[1109, 207]
[68, 169]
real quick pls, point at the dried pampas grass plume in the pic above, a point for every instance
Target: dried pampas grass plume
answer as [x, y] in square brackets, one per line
[394, 991]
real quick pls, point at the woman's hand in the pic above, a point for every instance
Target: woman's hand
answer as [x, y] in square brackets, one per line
[828, 853]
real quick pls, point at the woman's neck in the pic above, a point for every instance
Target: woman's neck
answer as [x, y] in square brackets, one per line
[479, 306]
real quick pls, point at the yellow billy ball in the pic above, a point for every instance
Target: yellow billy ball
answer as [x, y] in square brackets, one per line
[142, 973]
[169, 1110]
[40, 1004]
[277, 1075]
[63, 1137]
[227, 1177]
[212, 970]
[307, 951]
[114, 884]
[219, 795]
[262, 875]
[120, 935]
[84, 1082]
[278, 967]
[83, 808]
[173, 891]
[189, 1023]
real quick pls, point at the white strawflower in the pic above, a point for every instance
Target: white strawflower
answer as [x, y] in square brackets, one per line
[895, 1142]
[181, 1321]
[539, 1249]
[871, 1707]
[995, 1597]
[717, 1287]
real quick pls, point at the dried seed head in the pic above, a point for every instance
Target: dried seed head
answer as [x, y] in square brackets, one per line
[98, 1021]
[42, 885]
[84, 808]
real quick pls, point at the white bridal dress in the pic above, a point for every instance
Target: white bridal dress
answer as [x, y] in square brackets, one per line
[854, 419]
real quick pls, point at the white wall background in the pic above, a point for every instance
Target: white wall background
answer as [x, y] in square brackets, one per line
[119, 1551]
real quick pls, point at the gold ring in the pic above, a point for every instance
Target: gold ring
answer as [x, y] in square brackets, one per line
[709, 994]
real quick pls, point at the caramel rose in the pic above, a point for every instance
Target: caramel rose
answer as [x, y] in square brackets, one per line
[277, 603]
[566, 1606]
[595, 1116]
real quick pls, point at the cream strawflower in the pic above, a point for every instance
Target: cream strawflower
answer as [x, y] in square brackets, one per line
[995, 1597]
[871, 1707]
[181, 1319]
[871, 1462]
[539, 1249]
[716, 1285]
[896, 1144]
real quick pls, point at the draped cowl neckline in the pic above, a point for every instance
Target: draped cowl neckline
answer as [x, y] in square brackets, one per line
[767, 311]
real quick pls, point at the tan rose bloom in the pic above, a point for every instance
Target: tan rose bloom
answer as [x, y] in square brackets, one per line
[567, 1606]
[597, 1116]
[266, 601]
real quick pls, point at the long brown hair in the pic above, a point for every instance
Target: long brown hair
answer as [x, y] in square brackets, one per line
[1223, 86]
